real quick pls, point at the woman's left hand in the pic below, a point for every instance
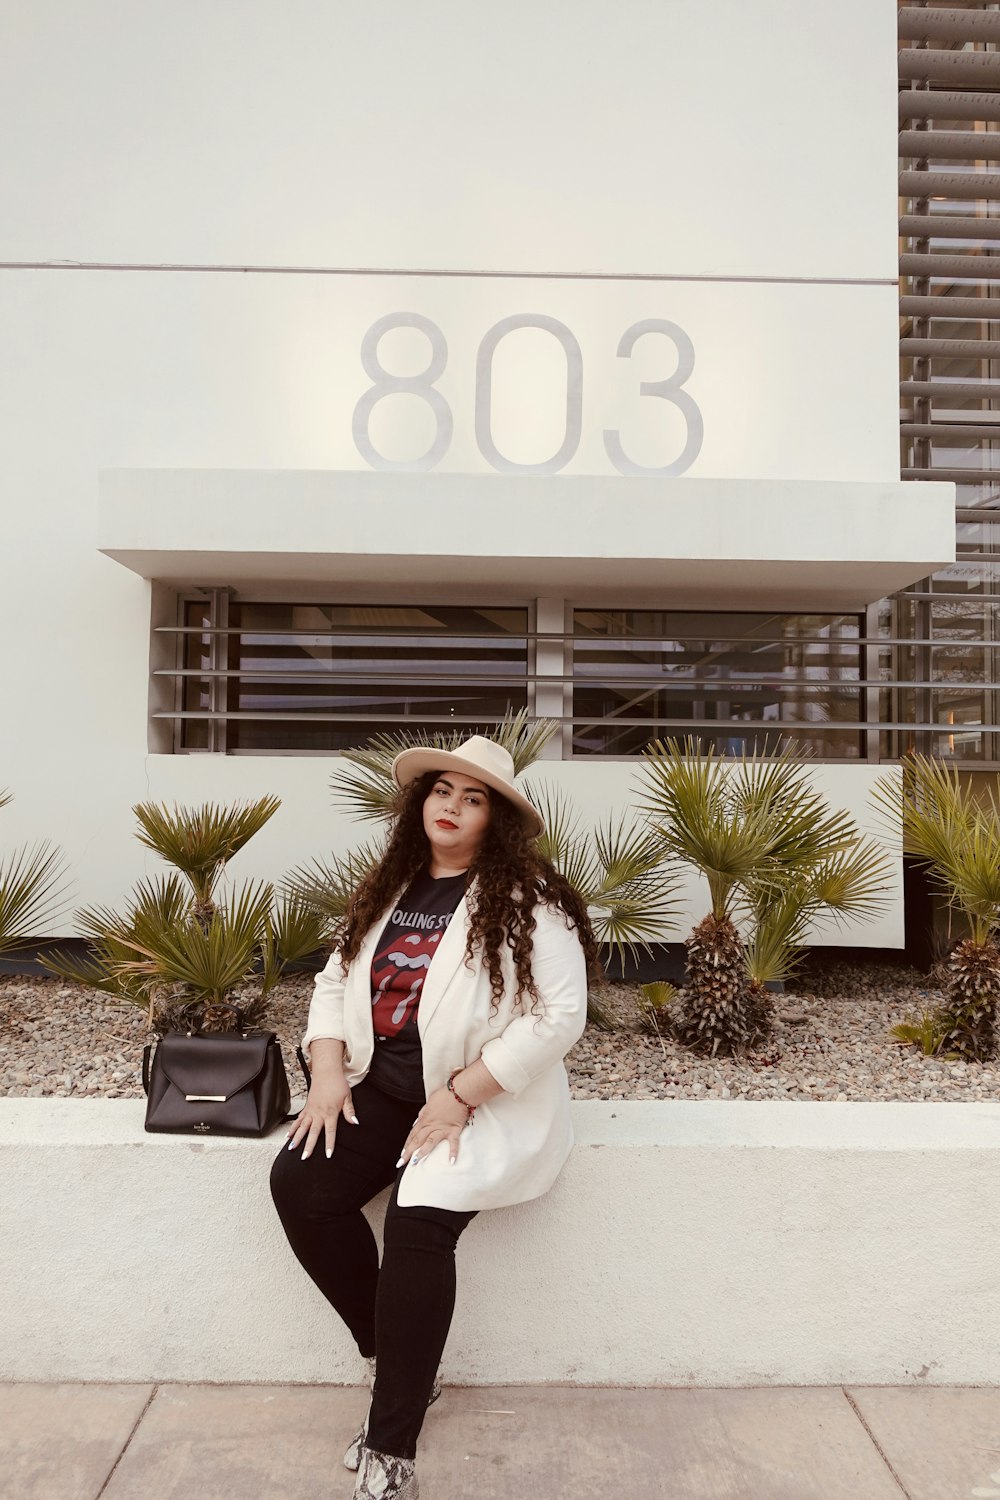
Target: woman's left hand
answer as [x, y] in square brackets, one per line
[443, 1118]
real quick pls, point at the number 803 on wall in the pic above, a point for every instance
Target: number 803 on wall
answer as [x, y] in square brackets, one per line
[424, 385]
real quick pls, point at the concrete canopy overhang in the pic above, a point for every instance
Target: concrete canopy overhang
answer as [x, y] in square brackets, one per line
[679, 543]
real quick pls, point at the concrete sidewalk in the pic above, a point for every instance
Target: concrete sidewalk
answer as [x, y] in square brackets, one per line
[175, 1442]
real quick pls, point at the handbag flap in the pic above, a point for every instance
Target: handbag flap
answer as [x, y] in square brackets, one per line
[215, 1066]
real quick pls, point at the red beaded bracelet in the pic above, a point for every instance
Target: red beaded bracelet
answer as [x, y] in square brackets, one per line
[453, 1090]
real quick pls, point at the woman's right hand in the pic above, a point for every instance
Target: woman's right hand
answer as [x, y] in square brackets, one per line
[329, 1097]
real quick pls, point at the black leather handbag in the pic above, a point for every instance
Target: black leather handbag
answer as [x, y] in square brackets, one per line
[222, 1083]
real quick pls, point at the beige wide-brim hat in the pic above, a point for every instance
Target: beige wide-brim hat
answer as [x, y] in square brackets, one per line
[478, 757]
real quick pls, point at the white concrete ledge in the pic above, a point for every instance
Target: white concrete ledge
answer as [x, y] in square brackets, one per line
[715, 1243]
[716, 543]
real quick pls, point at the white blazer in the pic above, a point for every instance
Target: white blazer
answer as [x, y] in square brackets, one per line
[518, 1142]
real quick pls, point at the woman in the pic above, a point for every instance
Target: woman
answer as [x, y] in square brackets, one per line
[437, 1034]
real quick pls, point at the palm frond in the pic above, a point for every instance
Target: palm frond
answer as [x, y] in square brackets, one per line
[929, 1031]
[298, 928]
[956, 836]
[326, 886]
[627, 851]
[629, 922]
[564, 842]
[654, 1008]
[33, 886]
[633, 900]
[364, 784]
[199, 841]
[89, 970]
[617, 869]
[163, 901]
[659, 992]
[684, 791]
[972, 875]
[599, 1015]
[927, 805]
[208, 959]
[852, 885]
[802, 828]
[774, 947]
[100, 969]
[5, 797]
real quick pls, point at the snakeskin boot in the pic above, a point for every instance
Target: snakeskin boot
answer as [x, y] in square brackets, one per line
[383, 1477]
[352, 1458]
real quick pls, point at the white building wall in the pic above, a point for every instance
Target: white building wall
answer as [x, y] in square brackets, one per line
[700, 162]
[660, 136]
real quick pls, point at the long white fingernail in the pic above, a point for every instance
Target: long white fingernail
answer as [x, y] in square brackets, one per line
[452, 1160]
[291, 1145]
[401, 1161]
[353, 1119]
[329, 1153]
[306, 1154]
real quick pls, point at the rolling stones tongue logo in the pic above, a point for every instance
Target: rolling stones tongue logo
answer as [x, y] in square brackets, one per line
[398, 976]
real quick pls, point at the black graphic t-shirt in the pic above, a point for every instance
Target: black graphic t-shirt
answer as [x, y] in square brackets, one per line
[402, 957]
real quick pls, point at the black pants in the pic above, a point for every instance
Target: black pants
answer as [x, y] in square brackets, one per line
[402, 1312]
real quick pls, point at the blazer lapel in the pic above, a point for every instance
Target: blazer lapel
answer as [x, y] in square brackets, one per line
[449, 958]
[358, 991]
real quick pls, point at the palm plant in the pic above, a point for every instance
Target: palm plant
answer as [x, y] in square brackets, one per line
[32, 891]
[957, 837]
[655, 1009]
[927, 1032]
[775, 857]
[196, 962]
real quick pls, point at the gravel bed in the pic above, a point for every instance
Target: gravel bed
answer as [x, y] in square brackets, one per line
[831, 1042]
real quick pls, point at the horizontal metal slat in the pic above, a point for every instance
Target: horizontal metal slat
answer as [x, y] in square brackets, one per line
[977, 69]
[949, 429]
[368, 637]
[363, 716]
[949, 184]
[912, 347]
[950, 145]
[794, 686]
[654, 684]
[941, 104]
[955, 476]
[971, 267]
[697, 726]
[943, 390]
[936, 596]
[950, 307]
[581, 642]
[949, 227]
[365, 674]
[947, 24]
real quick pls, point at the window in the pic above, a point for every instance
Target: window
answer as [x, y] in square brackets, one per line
[730, 680]
[273, 677]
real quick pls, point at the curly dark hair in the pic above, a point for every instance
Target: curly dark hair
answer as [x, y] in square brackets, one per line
[511, 879]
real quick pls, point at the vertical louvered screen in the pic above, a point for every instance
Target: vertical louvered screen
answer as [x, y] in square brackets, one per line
[943, 636]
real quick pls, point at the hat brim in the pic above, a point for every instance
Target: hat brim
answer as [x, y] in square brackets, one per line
[409, 764]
